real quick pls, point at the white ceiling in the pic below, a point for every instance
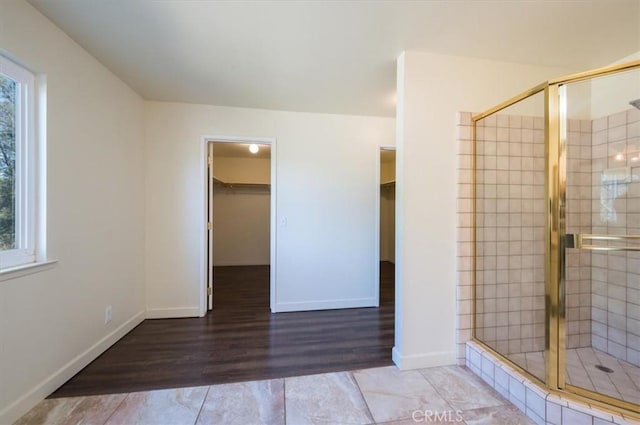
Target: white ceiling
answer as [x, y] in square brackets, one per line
[328, 56]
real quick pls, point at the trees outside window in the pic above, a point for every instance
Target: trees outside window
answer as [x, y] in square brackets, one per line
[7, 163]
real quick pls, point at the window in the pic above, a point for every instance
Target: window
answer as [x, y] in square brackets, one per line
[17, 165]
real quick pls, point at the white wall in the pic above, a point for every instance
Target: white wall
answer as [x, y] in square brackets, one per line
[52, 322]
[612, 94]
[431, 89]
[326, 190]
[602, 96]
[241, 215]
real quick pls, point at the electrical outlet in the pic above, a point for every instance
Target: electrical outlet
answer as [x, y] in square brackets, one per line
[108, 310]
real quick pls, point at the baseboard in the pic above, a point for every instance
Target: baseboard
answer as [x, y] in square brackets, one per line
[324, 305]
[420, 361]
[23, 404]
[172, 313]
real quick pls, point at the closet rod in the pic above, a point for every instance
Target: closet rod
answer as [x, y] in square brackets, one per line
[229, 185]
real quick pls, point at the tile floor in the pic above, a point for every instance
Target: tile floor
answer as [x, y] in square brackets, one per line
[533, 362]
[384, 395]
[622, 383]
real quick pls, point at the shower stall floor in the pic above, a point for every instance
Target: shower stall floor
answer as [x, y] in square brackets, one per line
[590, 369]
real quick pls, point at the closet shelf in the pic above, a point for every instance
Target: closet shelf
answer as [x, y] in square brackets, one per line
[229, 185]
[390, 183]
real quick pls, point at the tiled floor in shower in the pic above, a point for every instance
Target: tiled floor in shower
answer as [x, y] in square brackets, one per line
[622, 382]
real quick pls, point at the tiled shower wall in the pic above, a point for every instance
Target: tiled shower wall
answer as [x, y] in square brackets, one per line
[464, 220]
[616, 210]
[602, 289]
[511, 239]
[510, 233]
[578, 220]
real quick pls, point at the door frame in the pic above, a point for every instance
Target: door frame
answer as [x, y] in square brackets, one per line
[376, 259]
[204, 231]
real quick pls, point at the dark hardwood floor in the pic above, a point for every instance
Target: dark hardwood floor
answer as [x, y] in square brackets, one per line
[241, 340]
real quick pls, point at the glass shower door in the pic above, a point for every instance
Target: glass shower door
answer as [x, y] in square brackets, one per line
[600, 130]
[510, 233]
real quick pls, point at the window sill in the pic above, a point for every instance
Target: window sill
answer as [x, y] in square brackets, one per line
[26, 269]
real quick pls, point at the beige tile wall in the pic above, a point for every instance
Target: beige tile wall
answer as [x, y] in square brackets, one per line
[464, 236]
[602, 289]
[578, 220]
[510, 238]
[616, 210]
[511, 226]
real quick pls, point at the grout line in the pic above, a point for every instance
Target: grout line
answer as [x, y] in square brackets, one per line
[633, 380]
[600, 360]
[284, 401]
[204, 400]
[618, 369]
[363, 397]
[117, 407]
[624, 370]
[585, 369]
[435, 387]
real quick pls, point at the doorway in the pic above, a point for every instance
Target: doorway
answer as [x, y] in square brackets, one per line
[240, 205]
[387, 223]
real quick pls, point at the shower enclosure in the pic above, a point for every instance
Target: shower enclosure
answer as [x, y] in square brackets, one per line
[557, 234]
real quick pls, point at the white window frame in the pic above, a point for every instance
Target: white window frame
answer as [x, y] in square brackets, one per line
[26, 167]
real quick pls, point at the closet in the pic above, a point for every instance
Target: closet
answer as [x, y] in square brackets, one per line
[241, 205]
[387, 205]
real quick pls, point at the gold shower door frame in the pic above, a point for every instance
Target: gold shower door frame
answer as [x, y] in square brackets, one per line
[555, 235]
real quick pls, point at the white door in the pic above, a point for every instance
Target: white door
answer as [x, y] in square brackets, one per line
[210, 226]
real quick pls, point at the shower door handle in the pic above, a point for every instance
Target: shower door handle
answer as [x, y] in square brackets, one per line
[614, 242]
